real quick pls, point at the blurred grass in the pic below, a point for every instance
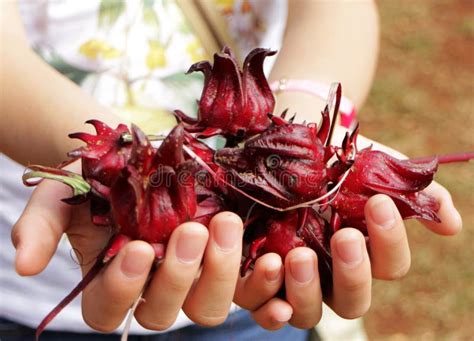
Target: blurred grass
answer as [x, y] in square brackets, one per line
[422, 104]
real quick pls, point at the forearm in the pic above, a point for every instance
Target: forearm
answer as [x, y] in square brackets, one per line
[38, 106]
[328, 41]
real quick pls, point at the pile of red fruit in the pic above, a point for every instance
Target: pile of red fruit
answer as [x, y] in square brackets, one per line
[288, 183]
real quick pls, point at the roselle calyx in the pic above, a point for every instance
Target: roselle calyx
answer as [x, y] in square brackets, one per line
[281, 232]
[234, 102]
[375, 172]
[105, 154]
[285, 165]
[155, 192]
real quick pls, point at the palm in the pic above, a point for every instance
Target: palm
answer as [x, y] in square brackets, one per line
[87, 239]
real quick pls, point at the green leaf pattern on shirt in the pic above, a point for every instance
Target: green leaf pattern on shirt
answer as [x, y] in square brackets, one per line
[109, 11]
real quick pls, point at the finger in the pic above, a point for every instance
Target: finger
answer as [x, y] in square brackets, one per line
[451, 222]
[170, 285]
[274, 314]
[261, 284]
[303, 290]
[37, 232]
[389, 250]
[351, 274]
[209, 300]
[87, 239]
[107, 299]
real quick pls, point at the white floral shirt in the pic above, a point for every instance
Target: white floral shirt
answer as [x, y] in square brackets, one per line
[132, 55]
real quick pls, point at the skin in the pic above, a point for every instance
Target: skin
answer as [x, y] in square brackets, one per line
[31, 104]
[203, 292]
[342, 46]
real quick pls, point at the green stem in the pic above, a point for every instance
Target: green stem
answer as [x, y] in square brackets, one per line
[77, 183]
[155, 137]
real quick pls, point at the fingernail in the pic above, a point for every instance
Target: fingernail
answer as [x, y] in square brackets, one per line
[349, 249]
[189, 247]
[283, 315]
[133, 265]
[302, 268]
[383, 213]
[273, 272]
[227, 235]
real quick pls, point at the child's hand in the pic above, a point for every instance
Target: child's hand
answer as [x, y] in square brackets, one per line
[353, 268]
[107, 299]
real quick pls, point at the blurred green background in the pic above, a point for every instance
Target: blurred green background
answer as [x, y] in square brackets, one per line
[422, 104]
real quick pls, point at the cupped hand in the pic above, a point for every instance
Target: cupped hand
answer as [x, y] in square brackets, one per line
[204, 292]
[355, 263]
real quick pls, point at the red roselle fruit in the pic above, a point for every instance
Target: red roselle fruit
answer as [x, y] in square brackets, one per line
[105, 154]
[289, 184]
[234, 103]
[280, 232]
[283, 166]
[402, 180]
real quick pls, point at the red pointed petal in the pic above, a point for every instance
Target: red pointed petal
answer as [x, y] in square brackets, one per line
[182, 117]
[259, 99]
[323, 131]
[170, 152]
[100, 127]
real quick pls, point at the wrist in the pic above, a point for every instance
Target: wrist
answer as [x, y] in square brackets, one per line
[318, 93]
[306, 107]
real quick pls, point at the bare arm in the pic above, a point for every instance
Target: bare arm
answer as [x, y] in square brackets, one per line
[328, 41]
[38, 105]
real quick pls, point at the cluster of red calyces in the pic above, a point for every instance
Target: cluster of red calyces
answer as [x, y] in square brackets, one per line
[288, 183]
[142, 192]
[137, 191]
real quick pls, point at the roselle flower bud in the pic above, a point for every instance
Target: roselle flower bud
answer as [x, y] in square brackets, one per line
[272, 232]
[282, 167]
[234, 103]
[212, 195]
[105, 154]
[375, 172]
[155, 192]
[280, 232]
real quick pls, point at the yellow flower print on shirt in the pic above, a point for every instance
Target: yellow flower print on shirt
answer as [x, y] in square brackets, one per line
[99, 49]
[156, 56]
[196, 51]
